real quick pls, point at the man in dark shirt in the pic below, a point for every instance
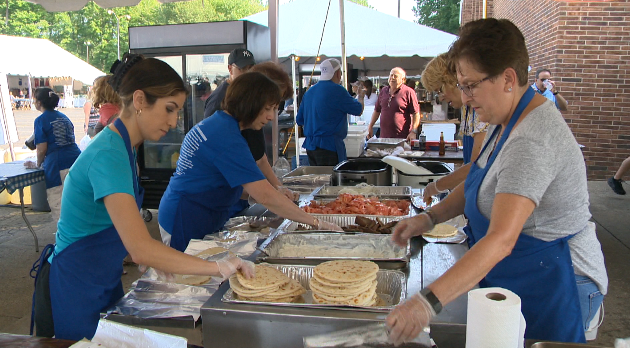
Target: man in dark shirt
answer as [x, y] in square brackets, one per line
[239, 61]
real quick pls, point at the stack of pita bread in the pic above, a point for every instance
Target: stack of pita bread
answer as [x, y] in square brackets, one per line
[345, 282]
[269, 285]
[441, 231]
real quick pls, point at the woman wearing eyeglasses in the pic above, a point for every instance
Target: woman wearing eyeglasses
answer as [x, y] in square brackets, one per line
[525, 198]
[438, 77]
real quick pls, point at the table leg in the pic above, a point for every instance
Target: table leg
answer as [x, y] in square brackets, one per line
[26, 220]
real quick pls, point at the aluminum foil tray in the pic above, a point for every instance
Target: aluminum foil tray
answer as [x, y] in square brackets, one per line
[380, 143]
[378, 248]
[241, 223]
[328, 200]
[340, 220]
[391, 288]
[392, 192]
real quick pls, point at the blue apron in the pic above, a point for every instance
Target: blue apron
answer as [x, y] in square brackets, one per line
[540, 272]
[202, 213]
[56, 160]
[468, 140]
[85, 276]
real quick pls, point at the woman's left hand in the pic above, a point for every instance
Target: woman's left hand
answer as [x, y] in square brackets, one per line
[411, 227]
[293, 196]
[407, 320]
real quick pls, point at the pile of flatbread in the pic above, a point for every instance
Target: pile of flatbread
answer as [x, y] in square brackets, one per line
[269, 285]
[441, 231]
[345, 282]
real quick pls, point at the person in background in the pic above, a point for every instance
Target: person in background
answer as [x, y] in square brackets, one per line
[79, 277]
[324, 116]
[547, 87]
[527, 207]
[256, 138]
[410, 83]
[615, 181]
[216, 166]
[398, 108]
[106, 100]
[91, 118]
[438, 77]
[370, 95]
[55, 145]
[240, 61]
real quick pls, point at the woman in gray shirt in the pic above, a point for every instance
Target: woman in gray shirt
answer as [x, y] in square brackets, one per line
[525, 198]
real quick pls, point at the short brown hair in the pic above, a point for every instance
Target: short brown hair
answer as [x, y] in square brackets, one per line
[103, 93]
[275, 72]
[437, 74]
[154, 77]
[248, 94]
[492, 45]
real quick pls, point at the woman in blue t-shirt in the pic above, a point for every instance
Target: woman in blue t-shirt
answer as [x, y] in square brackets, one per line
[215, 166]
[56, 148]
[79, 276]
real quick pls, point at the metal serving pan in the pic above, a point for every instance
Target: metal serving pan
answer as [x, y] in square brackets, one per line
[340, 220]
[391, 288]
[384, 143]
[392, 192]
[562, 345]
[339, 246]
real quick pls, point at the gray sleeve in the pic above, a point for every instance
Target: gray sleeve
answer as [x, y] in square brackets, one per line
[527, 167]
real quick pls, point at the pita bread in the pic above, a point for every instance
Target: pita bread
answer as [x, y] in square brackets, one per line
[243, 291]
[442, 231]
[346, 271]
[198, 279]
[266, 278]
[347, 298]
[315, 285]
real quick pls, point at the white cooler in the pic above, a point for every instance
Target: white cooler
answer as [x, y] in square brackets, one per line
[355, 141]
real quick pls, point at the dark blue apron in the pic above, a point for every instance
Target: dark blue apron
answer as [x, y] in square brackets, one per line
[85, 276]
[468, 140]
[202, 213]
[540, 272]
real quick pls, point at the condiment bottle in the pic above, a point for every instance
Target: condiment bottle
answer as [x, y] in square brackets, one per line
[442, 145]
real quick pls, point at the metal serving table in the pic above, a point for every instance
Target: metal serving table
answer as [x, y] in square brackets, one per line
[242, 325]
[14, 176]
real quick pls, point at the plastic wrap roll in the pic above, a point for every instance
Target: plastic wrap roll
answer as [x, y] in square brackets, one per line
[494, 319]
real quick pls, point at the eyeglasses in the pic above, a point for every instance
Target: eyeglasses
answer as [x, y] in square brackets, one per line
[468, 90]
[390, 100]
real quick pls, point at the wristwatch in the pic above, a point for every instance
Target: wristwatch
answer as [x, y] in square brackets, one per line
[433, 300]
[415, 131]
[555, 93]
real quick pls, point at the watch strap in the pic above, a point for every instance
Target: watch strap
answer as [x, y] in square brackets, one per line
[432, 299]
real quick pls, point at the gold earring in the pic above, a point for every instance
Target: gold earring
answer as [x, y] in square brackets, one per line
[138, 112]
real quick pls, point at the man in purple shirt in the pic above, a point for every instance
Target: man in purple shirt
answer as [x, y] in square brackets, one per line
[398, 106]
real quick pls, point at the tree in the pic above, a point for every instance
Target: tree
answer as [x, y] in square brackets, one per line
[72, 30]
[439, 14]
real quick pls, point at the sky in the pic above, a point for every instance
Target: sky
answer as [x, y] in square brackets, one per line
[390, 7]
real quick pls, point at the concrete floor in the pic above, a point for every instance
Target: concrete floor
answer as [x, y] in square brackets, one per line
[17, 251]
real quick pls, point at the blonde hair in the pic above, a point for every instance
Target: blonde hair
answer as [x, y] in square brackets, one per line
[437, 73]
[102, 93]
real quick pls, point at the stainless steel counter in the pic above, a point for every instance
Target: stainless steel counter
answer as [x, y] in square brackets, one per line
[241, 325]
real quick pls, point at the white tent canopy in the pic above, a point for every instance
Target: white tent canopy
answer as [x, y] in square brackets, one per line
[42, 58]
[369, 34]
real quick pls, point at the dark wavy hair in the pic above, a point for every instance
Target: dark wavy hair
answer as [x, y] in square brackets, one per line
[492, 45]
[248, 94]
[47, 97]
[154, 77]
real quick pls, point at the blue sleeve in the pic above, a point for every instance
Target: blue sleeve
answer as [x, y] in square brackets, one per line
[235, 161]
[300, 115]
[40, 134]
[110, 173]
[348, 104]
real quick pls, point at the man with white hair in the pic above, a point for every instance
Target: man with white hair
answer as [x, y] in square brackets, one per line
[323, 115]
[397, 106]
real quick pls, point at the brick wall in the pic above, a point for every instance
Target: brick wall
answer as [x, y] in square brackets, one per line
[587, 48]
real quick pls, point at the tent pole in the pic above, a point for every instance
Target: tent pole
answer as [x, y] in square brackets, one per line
[273, 28]
[30, 90]
[344, 79]
[5, 121]
[295, 109]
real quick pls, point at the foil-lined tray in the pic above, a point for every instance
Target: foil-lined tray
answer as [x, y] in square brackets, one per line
[391, 192]
[341, 220]
[328, 200]
[244, 223]
[391, 289]
[316, 248]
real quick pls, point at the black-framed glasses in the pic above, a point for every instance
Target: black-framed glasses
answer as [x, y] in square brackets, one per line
[468, 90]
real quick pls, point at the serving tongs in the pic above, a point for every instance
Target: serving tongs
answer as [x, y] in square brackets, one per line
[373, 335]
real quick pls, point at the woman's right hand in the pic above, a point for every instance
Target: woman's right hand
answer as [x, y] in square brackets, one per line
[411, 227]
[327, 226]
[231, 264]
[429, 191]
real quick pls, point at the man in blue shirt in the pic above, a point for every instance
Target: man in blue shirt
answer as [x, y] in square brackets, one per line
[323, 114]
[547, 87]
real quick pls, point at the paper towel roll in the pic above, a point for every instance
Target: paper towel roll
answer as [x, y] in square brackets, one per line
[494, 319]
